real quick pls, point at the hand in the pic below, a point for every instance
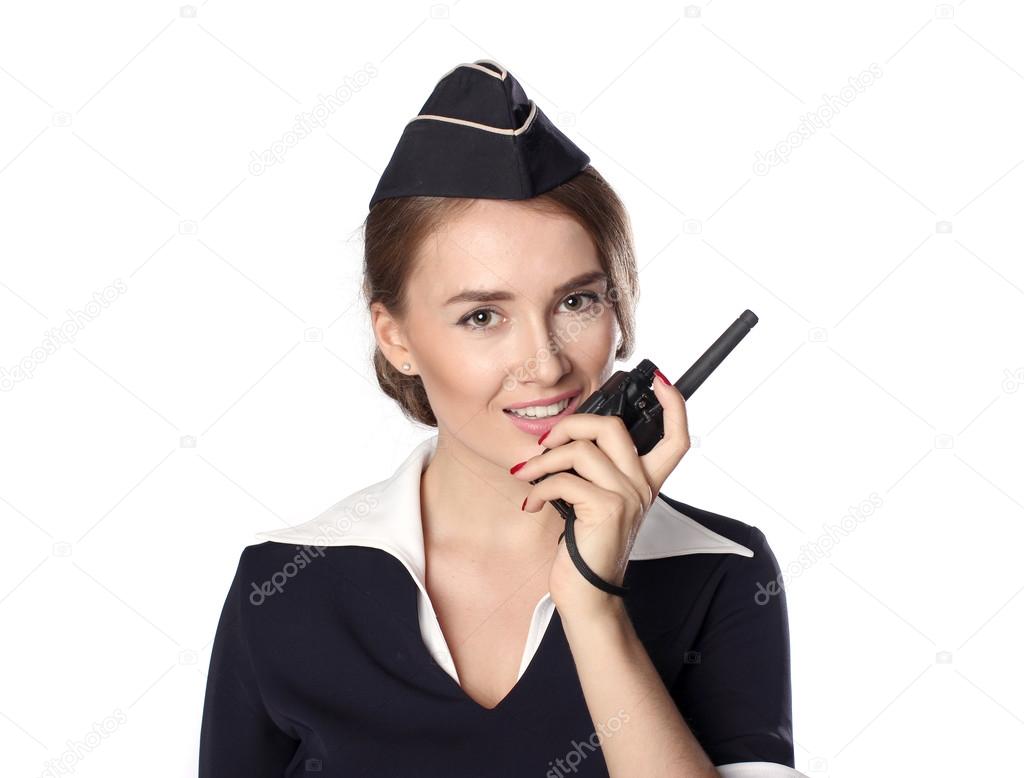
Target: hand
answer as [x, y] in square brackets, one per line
[611, 495]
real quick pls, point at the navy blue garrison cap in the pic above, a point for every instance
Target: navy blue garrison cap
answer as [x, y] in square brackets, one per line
[479, 135]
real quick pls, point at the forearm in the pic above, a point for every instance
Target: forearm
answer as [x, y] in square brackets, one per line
[640, 728]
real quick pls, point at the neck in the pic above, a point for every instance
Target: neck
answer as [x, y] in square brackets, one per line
[469, 502]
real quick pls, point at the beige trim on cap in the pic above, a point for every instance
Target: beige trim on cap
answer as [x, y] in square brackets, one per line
[477, 126]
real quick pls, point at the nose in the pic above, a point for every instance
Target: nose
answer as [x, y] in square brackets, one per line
[541, 356]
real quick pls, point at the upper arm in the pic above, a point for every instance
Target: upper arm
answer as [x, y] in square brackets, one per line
[734, 685]
[237, 735]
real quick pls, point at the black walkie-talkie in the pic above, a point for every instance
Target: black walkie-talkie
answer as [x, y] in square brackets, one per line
[629, 396]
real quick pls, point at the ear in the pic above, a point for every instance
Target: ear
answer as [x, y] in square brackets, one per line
[390, 336]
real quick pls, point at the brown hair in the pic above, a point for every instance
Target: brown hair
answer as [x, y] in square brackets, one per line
[394, 228]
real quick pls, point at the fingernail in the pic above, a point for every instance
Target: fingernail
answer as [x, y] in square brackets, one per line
[523, 506]
[662, 376]
[541, 438]
[515, 468]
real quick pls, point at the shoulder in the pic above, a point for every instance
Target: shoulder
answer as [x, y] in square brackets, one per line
[335, 524]
[272, 559]
[733, 683]
[733, 529]
[760, 565]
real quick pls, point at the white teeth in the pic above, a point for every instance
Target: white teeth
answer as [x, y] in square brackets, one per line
[541, 411]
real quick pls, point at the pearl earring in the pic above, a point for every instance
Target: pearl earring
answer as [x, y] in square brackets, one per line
[406, 366]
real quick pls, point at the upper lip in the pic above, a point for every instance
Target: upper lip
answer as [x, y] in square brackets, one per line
[545, 400]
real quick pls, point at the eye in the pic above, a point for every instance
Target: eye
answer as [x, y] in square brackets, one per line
[471, 321]
[592, 296]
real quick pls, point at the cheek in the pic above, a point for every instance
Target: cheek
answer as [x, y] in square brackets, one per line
[458, 379]
[595, 338]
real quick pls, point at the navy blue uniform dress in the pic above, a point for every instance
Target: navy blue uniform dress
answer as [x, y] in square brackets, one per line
[329, 660]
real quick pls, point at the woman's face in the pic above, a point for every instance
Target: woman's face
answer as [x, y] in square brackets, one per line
[500, 313]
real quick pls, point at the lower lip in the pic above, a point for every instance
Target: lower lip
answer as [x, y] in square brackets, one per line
[538, 427]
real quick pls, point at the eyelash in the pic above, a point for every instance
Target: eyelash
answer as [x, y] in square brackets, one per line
[594, 297]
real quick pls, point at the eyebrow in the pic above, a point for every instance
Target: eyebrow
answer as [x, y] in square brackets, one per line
[491, 295]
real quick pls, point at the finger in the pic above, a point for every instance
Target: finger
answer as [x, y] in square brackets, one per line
[610, 435]
[593, 464]
[661, 460]
[581, 494]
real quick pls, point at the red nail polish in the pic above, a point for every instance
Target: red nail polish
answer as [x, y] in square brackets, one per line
[662, 376]
[523, 506]
[541, 438]
[515, 468]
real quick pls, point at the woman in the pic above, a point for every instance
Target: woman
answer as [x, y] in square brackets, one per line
[433, 623]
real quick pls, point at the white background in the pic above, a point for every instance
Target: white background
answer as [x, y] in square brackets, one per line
[883, 258]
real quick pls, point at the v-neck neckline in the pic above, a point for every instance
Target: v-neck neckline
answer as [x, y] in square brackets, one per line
[524, 677]
[524, 673]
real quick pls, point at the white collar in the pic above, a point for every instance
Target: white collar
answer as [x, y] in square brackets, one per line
[386, 516]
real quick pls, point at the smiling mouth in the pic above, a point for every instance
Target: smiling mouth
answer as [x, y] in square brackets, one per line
[539, 412]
